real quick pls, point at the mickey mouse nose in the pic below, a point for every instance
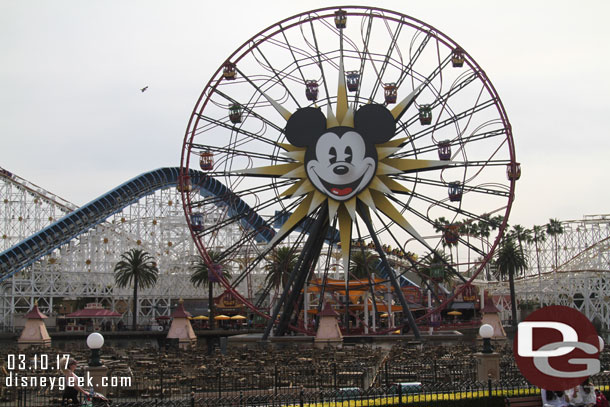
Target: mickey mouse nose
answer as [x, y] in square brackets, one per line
[340, 169]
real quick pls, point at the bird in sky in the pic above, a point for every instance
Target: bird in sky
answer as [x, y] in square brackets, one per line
[144, 88]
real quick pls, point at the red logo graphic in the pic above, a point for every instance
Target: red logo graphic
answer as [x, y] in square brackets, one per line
[556, 348]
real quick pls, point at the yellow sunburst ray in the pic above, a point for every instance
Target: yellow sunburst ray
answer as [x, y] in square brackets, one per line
[376, 184]
[345, 234]
[298, 215]
[298, 172]
[404, 104]
[410, 164]
[293, 188]
[290, 147]
[393, 143]
[383, 152]
[384, 169]
[278, 170]
[331, 120]
[280, 109]
[333, 206]
[316, 201]
[295, 155]
[350, 205]
[393, 185]
[305, 187]
[365, 196]
[348, 120]
[385, 206]
[342, 106]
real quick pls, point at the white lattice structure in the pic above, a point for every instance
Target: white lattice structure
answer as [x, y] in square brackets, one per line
[581, 281]
[83, 267]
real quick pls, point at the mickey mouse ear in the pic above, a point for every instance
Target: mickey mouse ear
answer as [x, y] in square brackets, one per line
[375, 123]
[305, 126]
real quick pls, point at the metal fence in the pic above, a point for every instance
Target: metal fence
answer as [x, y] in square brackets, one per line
[470, 393]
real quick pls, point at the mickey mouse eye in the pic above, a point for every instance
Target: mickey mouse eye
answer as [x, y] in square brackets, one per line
[348, 154]
[333, 155]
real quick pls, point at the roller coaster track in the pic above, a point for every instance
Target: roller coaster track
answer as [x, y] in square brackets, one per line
[82, 219]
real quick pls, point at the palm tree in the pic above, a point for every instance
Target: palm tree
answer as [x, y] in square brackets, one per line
[137, 268]
[539, 236]
[510, 262]
[554, 228]
[522, 235]
[202, 273]
[363, 263]
[280, 264]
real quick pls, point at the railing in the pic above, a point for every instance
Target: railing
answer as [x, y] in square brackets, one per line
[470, 393]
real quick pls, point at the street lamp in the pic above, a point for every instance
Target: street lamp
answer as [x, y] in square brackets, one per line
[486, 331]
[95, 341]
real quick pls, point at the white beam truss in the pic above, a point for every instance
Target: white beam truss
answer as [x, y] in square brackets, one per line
[83, 268]
[582, 279]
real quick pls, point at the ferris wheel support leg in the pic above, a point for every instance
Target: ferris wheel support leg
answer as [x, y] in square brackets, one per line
[322, 218]
[312, 252]
[407, 317]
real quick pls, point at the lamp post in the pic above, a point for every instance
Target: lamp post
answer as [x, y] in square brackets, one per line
[95, 341]
[95, 368]
[488, 362]
[486, 331]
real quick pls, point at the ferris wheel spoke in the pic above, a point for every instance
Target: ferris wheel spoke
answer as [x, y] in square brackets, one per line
[250, 111]
[452, 120]
[384, 65]
[319, 56]
[294, 58]
[503, 191]
[233, 152]
[365, 49]
[440, 204]
[461, 142]
[214, 200]
[278, 76]
[238, 130]
[412, 60]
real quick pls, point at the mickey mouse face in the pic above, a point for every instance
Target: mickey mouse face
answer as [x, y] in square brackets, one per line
[341, 161]
[339, 165]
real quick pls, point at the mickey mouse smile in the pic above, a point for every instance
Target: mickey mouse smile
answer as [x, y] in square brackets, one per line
[341, 191]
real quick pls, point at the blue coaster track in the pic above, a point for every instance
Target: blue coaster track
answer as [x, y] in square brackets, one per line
[81, 220]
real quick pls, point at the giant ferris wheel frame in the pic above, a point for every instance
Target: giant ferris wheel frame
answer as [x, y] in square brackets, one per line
[237, 133]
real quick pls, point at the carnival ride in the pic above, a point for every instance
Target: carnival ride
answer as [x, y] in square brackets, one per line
[360, 120]
[247, 189]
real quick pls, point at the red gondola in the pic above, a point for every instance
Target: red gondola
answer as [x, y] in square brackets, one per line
[206, 160]
[513, 171]
[457, 58]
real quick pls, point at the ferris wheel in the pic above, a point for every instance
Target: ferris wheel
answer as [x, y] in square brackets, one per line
[344, 130]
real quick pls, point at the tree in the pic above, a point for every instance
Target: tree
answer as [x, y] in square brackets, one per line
[554, 228]
[510, 262]
[363, 263]
[280, 264]
[434, 267]
[139, 269]
[522, 235]
[201, 277]
[539, 237]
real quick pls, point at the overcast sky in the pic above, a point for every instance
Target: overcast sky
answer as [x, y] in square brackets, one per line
[73, 119]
